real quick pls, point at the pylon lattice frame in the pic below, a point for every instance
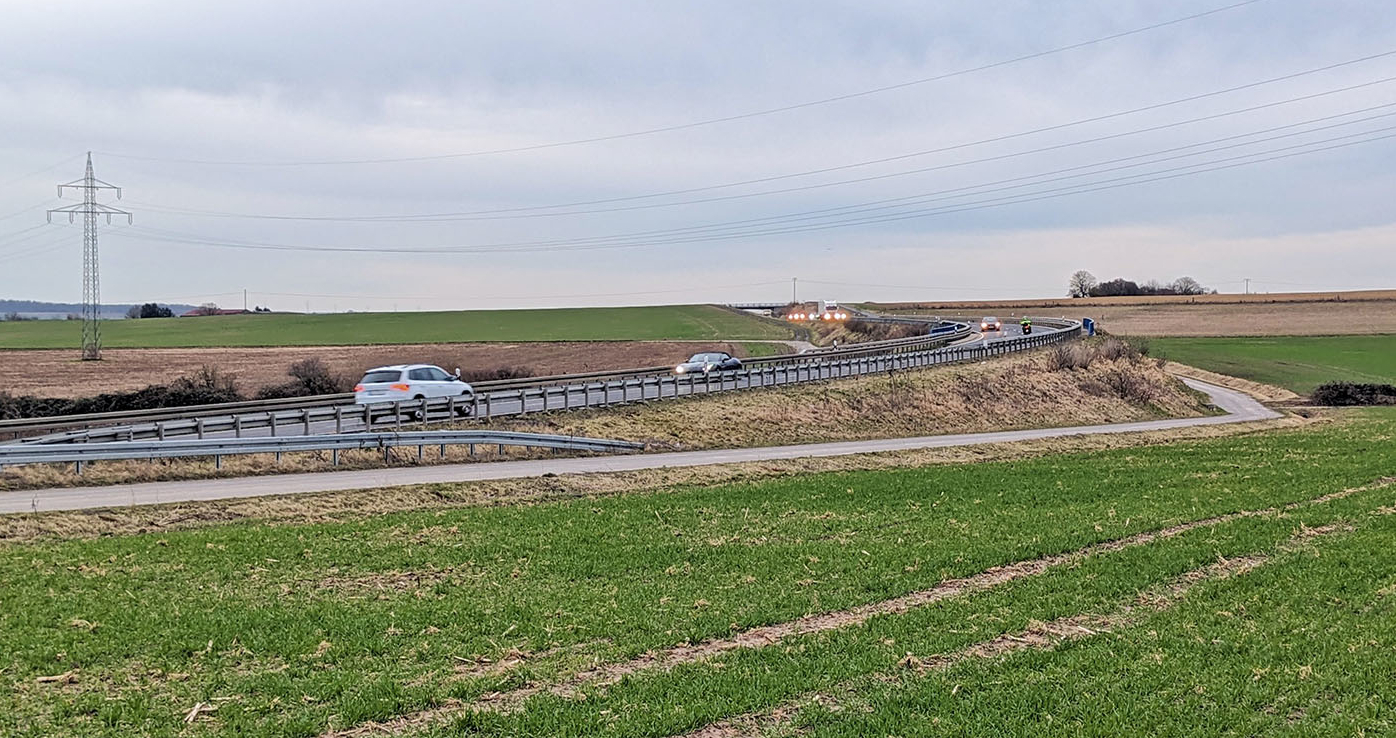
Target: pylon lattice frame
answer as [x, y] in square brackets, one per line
[91, 282]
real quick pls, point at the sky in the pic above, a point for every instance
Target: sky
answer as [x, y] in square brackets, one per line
[442, 155]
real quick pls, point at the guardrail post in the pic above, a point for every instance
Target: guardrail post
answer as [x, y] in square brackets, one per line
[237, 426]
[397, 412]
[420, 452]
[472, 450]
[339, 419]
[271, 422]
[305, 415]
[451, 408]
[334, 457]
[77, 467]
[545, 399]
[198, 427]
[217, 462]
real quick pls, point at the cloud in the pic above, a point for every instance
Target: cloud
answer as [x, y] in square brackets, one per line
[277, 82]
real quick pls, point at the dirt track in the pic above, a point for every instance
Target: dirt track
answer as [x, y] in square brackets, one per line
[59, 373]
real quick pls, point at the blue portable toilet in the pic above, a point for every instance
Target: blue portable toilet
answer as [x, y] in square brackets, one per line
[1088, 325]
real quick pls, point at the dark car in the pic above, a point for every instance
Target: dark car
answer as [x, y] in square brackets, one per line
[711, 361]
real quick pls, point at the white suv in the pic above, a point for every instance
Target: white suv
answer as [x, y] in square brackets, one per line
[409, 382]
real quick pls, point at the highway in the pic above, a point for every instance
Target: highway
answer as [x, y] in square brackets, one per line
[1239, 408]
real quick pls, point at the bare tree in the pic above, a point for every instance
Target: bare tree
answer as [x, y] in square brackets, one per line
[1188, 286]
[1082, 282]
[208, 308]
[133, 312]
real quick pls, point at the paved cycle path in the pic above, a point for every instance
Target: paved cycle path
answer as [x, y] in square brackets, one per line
[1239, 408]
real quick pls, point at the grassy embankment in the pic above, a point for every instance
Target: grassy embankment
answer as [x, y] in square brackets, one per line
[1003, 394]
[1299, 363]
[493, 618]
[566, 324]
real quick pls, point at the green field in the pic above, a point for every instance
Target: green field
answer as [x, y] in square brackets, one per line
[296, 629]
[1299, 363]
[349, 329]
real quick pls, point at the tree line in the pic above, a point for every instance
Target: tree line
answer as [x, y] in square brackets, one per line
[1084, 284]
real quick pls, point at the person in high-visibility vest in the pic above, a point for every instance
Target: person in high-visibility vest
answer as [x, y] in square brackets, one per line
[1026, 324]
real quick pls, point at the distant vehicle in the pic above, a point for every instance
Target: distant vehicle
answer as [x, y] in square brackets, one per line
[990, 323]
[1026, 325]
[713, 361]
[410, 382]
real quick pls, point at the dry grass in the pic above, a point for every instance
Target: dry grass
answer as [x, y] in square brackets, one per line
[1008, 393]
[357, 504]
[1262, 392]
[58, 373]
[1003, 394]
[350, 505]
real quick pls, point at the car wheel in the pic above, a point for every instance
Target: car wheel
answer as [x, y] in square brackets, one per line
[464, 410]
[419, 414]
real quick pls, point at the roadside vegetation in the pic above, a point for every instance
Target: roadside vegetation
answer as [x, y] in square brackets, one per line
[1240, 581]
[1097, 382]
[1299, 363]
[690, 322]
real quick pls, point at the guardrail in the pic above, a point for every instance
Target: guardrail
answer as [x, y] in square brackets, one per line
[217, 448]
[582, 391]
[87, 424]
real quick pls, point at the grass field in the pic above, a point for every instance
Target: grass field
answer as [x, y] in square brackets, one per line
[568, 324]
[1297, 363]
[1160, 589]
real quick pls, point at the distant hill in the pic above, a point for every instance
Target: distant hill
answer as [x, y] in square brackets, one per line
[59, 310]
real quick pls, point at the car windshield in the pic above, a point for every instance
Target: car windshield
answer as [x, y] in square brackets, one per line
[381, 375]
[697, 358]
[991, 319]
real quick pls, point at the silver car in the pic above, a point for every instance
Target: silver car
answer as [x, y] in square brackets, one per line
[711, 361]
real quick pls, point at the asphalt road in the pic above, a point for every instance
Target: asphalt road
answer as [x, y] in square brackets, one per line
[1239, 408]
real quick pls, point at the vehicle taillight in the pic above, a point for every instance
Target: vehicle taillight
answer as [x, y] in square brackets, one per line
[402, 387]
[358, 388]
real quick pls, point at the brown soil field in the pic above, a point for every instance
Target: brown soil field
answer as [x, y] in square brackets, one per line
[59, 373]
[1209, 315]
[1251, 298]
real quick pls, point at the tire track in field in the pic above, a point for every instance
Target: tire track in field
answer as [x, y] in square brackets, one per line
[763, 636]
[1038, 636]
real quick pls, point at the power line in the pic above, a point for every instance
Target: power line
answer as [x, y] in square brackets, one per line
[531, 211]
[1287, 126]
[584, 244]
[709, 121]
[647, 236]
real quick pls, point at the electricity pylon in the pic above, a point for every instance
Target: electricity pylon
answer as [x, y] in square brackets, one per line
[91, 287]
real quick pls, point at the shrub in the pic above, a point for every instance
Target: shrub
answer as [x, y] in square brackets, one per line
[497, 374]
[1129, 385]
[1071, 355]
[312, 377]
[1352, 393]
[206, 386]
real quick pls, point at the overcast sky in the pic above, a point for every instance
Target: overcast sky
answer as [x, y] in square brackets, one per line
[322, 132]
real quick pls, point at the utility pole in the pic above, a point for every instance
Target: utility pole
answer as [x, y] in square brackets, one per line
[91, 286]
[794, 295]
[244, 299]
[1248, 285]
